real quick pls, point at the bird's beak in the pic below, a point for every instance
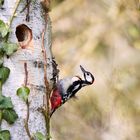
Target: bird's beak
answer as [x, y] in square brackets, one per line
[83, 70]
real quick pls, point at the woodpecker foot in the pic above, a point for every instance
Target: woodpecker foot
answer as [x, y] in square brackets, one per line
[41, 109]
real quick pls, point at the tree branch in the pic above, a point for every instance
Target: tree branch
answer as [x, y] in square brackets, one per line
[46, 111]
[26, 74]
[27, 104]
[48, 62]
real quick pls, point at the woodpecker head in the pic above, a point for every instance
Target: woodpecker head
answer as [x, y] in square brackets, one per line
[88, 77]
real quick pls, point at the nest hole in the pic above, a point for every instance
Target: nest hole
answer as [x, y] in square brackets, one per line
[24, 35]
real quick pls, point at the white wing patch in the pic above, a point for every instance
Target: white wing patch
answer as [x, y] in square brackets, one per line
[76, 87]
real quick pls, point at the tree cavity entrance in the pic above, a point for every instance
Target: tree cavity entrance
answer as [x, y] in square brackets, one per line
[24, 35]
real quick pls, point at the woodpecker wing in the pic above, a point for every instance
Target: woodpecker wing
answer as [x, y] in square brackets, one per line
[64, 84]
[68, 87]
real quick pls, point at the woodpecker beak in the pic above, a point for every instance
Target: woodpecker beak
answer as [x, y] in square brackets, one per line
[83, 70]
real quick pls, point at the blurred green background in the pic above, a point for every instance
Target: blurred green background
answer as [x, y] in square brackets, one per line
[104, 37]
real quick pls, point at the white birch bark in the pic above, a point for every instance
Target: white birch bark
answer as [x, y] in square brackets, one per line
[34, 58]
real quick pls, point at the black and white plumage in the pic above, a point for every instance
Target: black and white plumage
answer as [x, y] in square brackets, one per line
[67, 88]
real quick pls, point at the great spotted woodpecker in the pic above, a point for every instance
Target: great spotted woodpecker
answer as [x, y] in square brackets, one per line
[68, 87]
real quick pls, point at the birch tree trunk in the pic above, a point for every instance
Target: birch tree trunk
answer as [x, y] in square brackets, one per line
[29, 37]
